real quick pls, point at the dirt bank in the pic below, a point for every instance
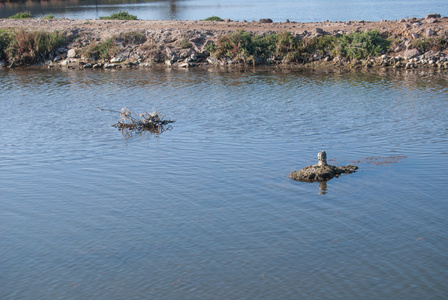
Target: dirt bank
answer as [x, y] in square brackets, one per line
[184, 43]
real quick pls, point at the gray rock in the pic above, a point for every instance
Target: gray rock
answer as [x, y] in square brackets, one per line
[430, 32]
[110, 66]
[266, 21]
[184, 65]
[2, 64]
[116, 60]
[411, 53]
[169, 63]
[71, 53]
[432, 16]
[211, 60]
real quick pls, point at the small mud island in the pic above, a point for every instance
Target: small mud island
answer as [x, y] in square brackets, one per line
[109, 44]
[321, 171]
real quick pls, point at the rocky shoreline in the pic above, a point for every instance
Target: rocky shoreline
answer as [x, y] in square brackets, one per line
[414, 43]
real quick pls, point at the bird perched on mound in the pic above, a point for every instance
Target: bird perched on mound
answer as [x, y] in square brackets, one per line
[321, 171]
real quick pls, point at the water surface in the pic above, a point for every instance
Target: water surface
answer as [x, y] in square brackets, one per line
[279, 11]
[207, 210]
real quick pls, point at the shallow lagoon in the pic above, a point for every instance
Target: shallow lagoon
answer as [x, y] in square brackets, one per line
[207, 210]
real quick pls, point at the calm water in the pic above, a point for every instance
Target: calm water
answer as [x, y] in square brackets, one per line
[279, 11]
[206, 210]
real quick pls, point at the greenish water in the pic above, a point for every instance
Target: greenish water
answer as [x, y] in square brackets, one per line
[206, 210]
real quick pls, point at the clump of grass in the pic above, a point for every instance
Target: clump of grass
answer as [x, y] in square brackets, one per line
[244, 46]
[104, 49]
[21, 15]
[426, 44]
[30, 47]
[132, 37]
[213, 18]
[185, 44]
[49, 16]
[122, 15]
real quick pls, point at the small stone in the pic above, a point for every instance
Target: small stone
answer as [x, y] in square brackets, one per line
[430, 32]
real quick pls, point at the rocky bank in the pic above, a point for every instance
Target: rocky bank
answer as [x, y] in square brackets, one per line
[183, 44]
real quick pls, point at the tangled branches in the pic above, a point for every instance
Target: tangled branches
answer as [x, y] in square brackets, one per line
[152, 122]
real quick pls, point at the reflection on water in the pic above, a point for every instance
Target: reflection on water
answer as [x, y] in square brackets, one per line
[207, 210]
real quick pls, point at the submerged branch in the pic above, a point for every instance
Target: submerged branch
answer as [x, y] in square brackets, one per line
[153, 122]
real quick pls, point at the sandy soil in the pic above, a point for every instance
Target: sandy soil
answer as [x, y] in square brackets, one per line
[399, 28]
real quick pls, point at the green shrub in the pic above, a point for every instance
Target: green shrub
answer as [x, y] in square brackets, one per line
[426, 44]
[30, 47]
[49, 16]
[105, 49]
[361, 45]
[5, 39]
[213, 18]
[21, 15]
[122, 15]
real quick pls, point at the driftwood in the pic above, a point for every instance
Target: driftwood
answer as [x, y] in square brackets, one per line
[153, 122]
[321, 171]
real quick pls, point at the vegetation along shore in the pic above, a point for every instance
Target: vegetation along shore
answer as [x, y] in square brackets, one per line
[120, 41]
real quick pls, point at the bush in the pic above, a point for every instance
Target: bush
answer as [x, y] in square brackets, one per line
[213, 18]
[361, 45]
[5, 39]
[21, 15]
[122, 15]
[30, 47]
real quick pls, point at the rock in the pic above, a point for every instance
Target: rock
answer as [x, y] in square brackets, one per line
[266, 21]
[432, 16]
[110, 66]
[169, 63]
[430, 32]
[116, 60]
[211, 60]
[71, 53]
[411, 53]
[184, 65]
[321, 172]
[2, 64]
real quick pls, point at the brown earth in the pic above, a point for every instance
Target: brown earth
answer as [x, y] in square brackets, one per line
[166, 33]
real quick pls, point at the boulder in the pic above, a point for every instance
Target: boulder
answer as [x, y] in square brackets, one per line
[71, 53]
[411, 53]
[321, 171]
[266, 21]
[432, 16]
